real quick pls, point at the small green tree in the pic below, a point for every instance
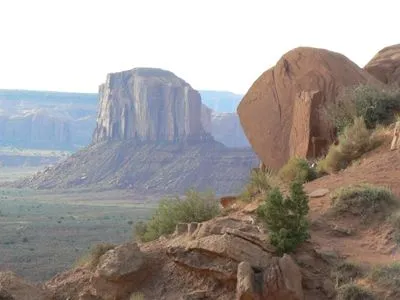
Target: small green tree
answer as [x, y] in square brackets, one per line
[286, 218]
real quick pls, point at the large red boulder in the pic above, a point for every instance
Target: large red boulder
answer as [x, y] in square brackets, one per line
[281, 111]
[385, 65]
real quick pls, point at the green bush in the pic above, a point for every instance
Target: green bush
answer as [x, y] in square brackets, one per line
[286, 218]
[354, 292]
[92, 258]
[354, 141]
[373, 104]
[387, 276]
[259, 182]
[297, 169]
[195, 207]
[363, 200]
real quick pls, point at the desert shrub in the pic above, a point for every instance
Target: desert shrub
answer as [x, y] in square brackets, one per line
[194, 207]
[333, 161]
[286, 218]
[297, 169]
[375, 105]
[137, 296]
[92, 258]
[140, 229]
[354, 292]
[363, 200]
[346, 272]
[354, 141]
[387, 276]
[259, 182]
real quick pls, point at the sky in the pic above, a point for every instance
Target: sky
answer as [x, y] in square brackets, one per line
[71, 45]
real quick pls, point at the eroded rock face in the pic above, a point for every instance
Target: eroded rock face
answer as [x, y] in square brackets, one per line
[148, 105]
[385, 65]
[280, 113]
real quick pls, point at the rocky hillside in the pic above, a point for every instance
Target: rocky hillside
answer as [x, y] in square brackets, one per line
[385, 65]
[151, 168]
[150, 137]
[229, 257]
[281, 111]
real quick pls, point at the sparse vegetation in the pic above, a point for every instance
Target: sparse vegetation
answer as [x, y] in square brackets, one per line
[259, 182]
[92, 258]
[363, 200]
[387, 276]
[375, 105]
[30, 231]
[346, 272]
[353, 291]
[286, 218]
[297, 169]
[354, 141]
[195, 207]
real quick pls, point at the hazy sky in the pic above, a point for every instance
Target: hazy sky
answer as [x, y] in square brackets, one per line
[213, 44]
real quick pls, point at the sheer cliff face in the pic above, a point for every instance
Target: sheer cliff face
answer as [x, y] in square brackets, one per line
[148, 105]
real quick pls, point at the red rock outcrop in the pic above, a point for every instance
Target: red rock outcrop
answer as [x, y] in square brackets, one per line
[385, 65]
[281, 111]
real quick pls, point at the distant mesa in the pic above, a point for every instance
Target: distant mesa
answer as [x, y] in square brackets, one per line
[280, 113]
[385, 65]
[148, 105]
[46, 120]
[152, 135]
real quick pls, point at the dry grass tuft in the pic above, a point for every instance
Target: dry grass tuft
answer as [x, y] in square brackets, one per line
[92, 258]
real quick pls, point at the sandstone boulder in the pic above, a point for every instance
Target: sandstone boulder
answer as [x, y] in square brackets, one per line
[385, 65]
[280, 113]
[283, 280]
[318, 193]
[232, 247]
[124, 260]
